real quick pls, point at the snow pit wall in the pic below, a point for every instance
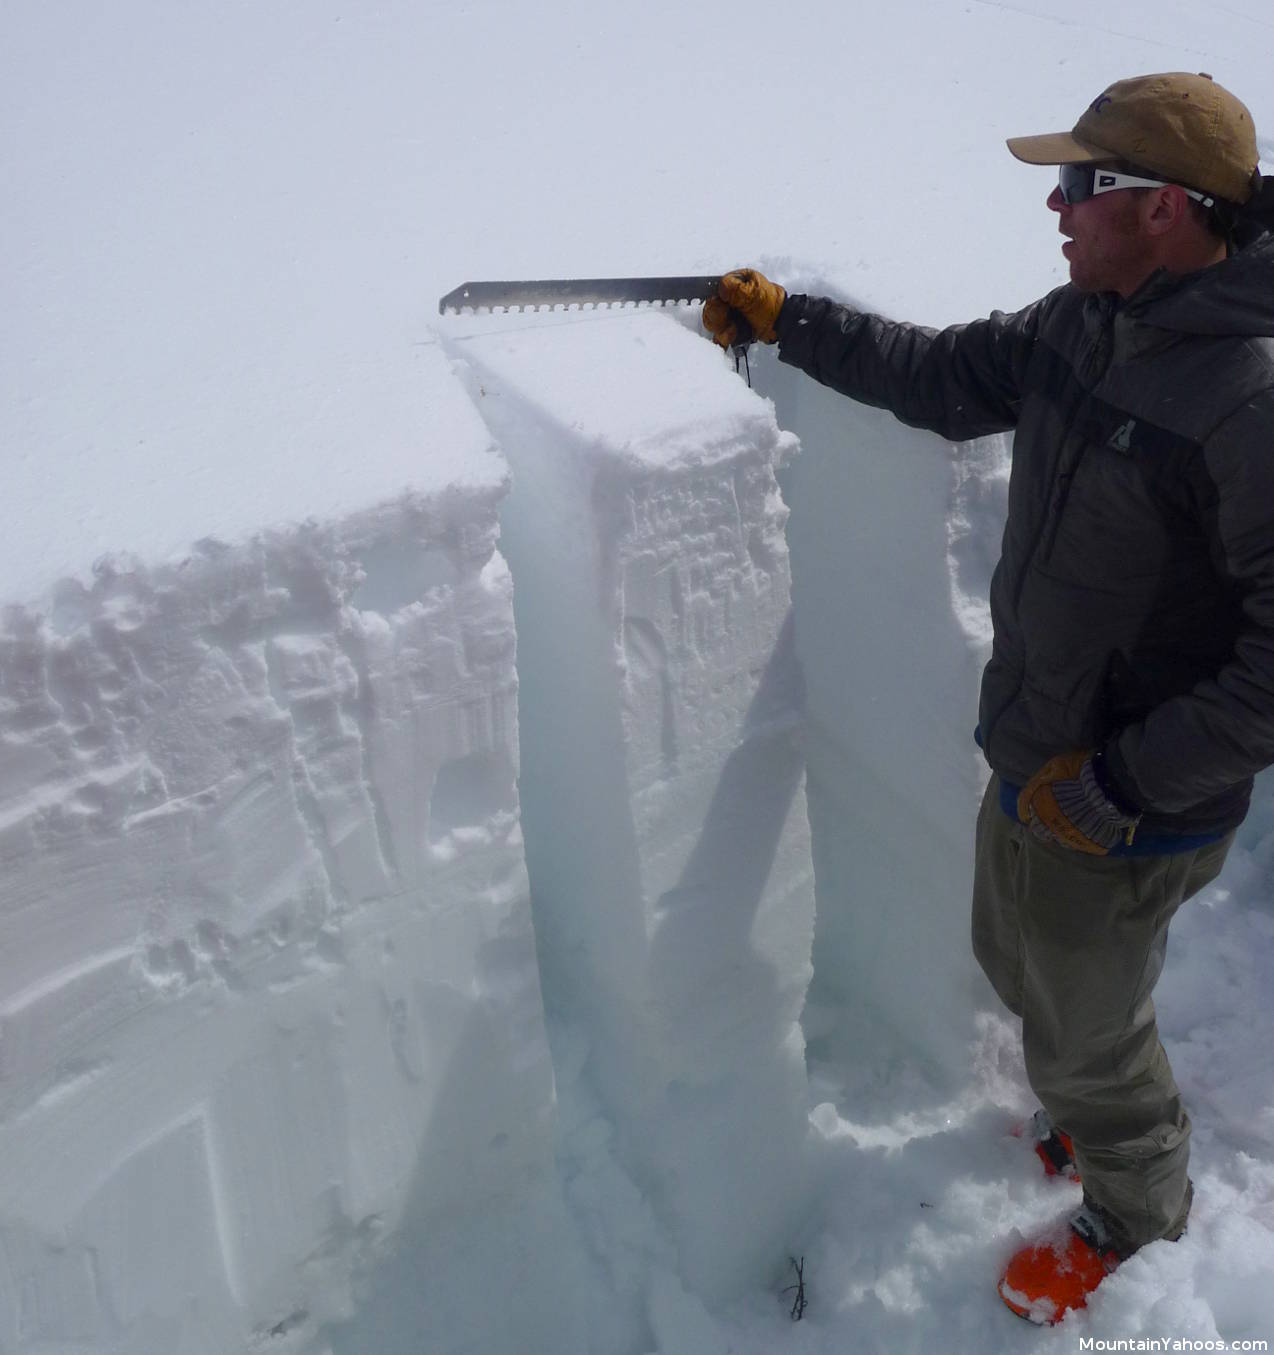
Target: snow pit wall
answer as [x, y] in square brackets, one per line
[271, 1008]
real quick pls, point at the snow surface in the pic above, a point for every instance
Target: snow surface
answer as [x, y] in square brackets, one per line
[485, 821]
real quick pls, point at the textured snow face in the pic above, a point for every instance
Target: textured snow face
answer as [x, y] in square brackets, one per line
[663, 770]
[270, 999]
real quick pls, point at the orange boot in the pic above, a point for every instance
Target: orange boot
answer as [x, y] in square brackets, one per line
[1044, 1281]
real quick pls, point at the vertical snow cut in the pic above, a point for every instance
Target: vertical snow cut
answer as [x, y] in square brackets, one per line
[889, 549]
[663, 765]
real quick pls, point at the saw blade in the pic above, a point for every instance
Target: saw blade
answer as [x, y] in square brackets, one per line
[566, 293]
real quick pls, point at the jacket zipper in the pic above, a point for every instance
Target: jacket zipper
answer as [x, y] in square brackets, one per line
[1095, 364]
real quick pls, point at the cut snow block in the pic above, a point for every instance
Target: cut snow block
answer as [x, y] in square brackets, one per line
[662, 757]
[891, 648]
[269, 1007]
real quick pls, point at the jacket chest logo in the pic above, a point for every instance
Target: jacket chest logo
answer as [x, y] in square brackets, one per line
[1121, 438]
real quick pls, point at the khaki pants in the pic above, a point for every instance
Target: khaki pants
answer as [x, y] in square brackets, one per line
[1074, 944]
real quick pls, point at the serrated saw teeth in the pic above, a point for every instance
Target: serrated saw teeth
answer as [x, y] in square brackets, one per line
[568, 294]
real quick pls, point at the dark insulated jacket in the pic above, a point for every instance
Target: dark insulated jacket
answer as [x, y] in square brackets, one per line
[1133, 604]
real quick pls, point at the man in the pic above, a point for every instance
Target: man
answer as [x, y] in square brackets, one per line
[1129, 697]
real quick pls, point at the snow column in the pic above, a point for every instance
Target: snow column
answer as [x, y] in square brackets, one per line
[892, 630]
[662, 757]
[270, 1019]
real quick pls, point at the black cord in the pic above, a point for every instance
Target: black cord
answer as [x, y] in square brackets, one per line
[741, 354]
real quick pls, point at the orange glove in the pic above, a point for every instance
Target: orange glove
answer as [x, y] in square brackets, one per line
[1065, 802]
[747, 293]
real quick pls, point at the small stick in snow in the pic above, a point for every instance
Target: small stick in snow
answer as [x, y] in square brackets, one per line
[798, 1303]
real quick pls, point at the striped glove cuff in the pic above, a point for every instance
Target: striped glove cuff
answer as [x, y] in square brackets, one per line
[1065, 802]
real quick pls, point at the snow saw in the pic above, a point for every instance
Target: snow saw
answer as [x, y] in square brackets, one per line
[581, 293]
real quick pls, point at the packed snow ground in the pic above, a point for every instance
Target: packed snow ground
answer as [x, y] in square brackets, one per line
[321, 1030]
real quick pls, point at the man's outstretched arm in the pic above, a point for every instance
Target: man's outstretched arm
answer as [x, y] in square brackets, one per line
[961, 382]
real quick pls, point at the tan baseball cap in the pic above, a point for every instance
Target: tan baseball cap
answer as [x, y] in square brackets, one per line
[1183, 127]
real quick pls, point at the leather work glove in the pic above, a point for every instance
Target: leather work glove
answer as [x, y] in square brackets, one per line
[749, 294]
[1065, 802]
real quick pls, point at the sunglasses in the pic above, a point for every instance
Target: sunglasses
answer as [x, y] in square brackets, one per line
[1078, 183]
